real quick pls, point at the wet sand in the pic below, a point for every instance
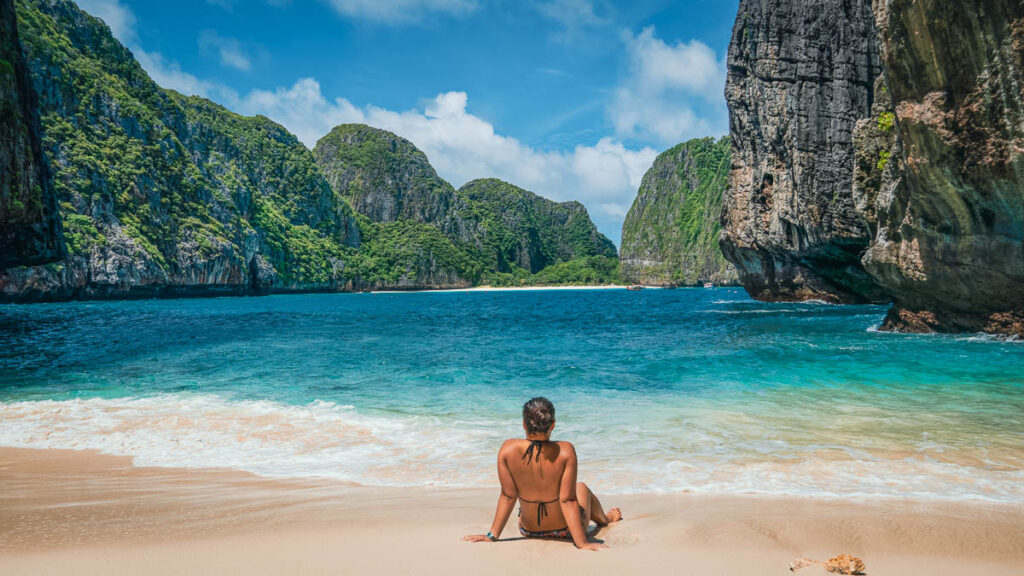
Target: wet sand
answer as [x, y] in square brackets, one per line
[77, 512]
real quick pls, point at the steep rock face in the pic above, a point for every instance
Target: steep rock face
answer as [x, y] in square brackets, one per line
[162, 194]
[30, 230]
[416, 232]
[420, 229]
[800, 75]
[387, 178]
[670, 235]
[166, 195]
[524, 230]
[949, 245]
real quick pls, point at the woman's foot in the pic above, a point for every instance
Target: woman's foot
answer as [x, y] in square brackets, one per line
[613, 515]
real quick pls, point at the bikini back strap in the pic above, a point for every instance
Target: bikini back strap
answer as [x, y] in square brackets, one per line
[534, 444]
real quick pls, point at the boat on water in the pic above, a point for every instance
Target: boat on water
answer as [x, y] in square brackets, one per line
[635, 287]
[709, 285]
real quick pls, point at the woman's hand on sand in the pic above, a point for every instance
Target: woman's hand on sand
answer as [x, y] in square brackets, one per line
[594, 546]
[477, 538]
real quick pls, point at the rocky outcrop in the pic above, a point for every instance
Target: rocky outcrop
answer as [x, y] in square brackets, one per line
[801, 73]
[166, 195]
[30, 230]
[526, 231]
[949, 245]
[486, 227]
[925, 196]
[670, 235]
[387, 178]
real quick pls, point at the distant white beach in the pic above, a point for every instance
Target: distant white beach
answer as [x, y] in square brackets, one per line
[511, 289]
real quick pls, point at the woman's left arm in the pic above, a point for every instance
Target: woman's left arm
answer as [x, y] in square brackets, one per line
[506, 502]
[570, 506]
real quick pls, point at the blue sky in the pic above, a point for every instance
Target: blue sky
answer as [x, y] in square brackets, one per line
[571, 99]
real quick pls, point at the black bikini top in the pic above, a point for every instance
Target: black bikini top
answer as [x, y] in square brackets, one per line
[533, 453]
[539, 445]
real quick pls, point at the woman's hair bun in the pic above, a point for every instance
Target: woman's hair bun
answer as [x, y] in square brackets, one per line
[538, 415]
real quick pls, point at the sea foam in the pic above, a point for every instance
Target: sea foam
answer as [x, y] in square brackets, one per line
[326, 440]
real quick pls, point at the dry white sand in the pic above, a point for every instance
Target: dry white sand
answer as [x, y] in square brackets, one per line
[64, 512]
[505, 289]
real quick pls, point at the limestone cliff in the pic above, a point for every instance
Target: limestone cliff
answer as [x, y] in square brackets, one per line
[800, 75]
[524, 230]
[387, 178]
[162, 194]
[479, 233]
[670, 235]
[949, 245]
[29, 224]
[166, 195]
[925, 194]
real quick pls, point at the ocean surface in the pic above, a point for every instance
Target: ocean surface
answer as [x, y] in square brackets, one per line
[700, 390]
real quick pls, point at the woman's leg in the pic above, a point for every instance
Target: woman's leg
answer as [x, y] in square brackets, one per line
[592, 506]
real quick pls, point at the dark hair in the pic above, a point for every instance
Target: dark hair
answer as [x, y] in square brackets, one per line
[538, 415]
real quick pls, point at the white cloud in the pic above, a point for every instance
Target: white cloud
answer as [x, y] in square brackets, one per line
[399, 11]
[672, 92]
[169, 74]
[302, 108]
[120, 19]
[462, 147]
[228, 49]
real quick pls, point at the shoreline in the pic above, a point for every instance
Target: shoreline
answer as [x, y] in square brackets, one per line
[546, 288]
[218, 291]
[79, 512]
[504, 289]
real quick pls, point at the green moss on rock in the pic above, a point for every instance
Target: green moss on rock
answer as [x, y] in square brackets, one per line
[670, 235]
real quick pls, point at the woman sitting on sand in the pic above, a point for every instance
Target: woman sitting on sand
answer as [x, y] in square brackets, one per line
[541, 473]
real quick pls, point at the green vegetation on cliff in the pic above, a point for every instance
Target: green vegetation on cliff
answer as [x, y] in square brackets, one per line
[495, 232]
[385, 177]
[524, 230]
[162, 193]
[176, 188]
[585, 271]
[29, 223]
[670, 235]
[408, 254]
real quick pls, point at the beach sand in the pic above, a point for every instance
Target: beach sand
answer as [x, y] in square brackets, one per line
[511, 289]
[77, 512]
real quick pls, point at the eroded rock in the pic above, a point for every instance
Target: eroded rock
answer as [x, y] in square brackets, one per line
[949, 246]
[670, 235]
[30, 231]
[801, 74]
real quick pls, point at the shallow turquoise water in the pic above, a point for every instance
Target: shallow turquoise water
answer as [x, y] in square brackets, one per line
[701, 390]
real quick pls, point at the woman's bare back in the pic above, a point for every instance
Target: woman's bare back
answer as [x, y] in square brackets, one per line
[537, 469]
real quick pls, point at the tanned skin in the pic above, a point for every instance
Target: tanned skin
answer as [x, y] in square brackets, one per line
[551, 477]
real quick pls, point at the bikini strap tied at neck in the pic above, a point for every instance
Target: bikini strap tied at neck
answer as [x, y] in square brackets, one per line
[539, 445]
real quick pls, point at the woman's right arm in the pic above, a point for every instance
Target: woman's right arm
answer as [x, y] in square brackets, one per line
[506, 501]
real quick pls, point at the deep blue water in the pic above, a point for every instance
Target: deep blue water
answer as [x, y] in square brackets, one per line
[661, 390]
